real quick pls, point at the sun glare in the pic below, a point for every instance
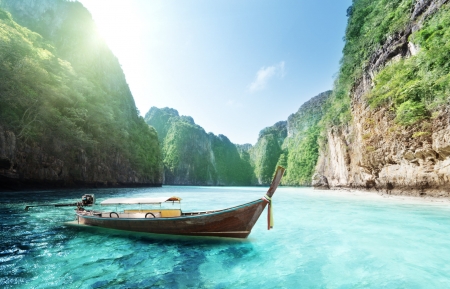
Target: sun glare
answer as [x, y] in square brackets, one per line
[120, 26]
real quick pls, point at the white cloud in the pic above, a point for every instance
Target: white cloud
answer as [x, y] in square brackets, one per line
[264, 74]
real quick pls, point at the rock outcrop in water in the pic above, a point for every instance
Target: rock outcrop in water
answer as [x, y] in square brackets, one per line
[67, 117]
[397, 140]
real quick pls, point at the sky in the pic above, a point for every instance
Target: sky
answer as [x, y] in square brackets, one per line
[235, 66]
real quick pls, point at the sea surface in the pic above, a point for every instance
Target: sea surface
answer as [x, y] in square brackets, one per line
[321, 239]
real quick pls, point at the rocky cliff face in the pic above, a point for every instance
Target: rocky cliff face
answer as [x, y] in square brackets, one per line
[67, 117]
[301, 143]
[267, 150]
[374, 151]
[24, 166]
[69, 27]
[193, 157]
[291, 144]
[308, 115]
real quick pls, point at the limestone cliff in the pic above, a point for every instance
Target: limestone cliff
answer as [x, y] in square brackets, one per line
[292, 144]
[309, 114]
[397, 140]
[193, 157]
[267, 150]
[67, 117]
[302, 142]
[30, 166]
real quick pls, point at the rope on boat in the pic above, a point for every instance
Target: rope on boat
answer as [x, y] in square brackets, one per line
[269, 212]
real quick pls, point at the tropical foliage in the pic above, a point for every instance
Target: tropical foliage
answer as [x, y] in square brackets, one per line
[192, 156]
[302, 157]
[58, 96]
[265, 155]
[417, 86]
[232, 167]
[370, 23]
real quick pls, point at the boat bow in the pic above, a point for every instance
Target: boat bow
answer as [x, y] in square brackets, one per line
[268, 197]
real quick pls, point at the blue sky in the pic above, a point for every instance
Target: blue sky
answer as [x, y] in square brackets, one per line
[234, 66]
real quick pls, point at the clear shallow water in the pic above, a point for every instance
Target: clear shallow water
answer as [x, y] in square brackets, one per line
[320, 240]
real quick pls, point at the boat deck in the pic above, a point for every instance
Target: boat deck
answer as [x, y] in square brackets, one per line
[144, 214]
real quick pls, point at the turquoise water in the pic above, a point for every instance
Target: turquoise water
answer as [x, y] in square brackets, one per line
[320, 240]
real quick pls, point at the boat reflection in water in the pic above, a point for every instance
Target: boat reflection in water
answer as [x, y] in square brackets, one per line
[234, 222]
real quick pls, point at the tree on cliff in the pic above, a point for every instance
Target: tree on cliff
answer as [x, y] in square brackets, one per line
[64, 96]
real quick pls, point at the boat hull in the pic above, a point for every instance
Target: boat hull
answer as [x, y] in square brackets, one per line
[236, 222]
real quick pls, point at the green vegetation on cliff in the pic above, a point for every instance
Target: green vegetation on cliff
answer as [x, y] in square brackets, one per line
[370, 23]
[232, 167]
[302, 143]
[302, 157]
[292, 144]
[417, 86]
[67, 94]
[266, 152]
[413, 87]
[193, 157]
[396, 72]
[185, 155]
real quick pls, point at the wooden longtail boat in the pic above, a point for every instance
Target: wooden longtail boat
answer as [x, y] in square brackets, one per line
[235, 222]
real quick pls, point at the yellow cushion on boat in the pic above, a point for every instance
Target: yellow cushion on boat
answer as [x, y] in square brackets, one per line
[165, 213]
[170, 213]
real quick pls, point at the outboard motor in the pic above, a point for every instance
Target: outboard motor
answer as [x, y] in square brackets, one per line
[87, 200]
